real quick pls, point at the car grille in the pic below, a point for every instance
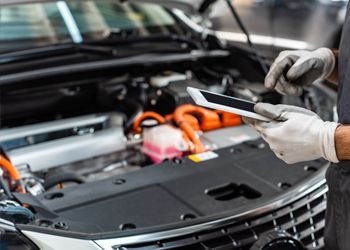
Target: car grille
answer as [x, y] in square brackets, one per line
[304, 219]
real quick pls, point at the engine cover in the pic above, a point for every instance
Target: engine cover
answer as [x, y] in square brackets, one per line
[51, 144]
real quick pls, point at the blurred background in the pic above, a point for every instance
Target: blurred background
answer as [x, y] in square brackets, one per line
[276, 25]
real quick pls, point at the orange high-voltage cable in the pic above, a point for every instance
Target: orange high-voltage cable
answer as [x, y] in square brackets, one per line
[147, 115]
[185, 117]
[210, 120]
[12, 171]
[161, 120]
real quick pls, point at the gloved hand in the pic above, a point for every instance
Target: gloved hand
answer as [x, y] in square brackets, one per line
[292, 70]
[295, 134]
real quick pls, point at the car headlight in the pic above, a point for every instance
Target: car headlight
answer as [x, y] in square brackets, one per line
[11, 239]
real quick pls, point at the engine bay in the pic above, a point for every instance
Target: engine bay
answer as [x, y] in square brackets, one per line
[110, 127]
[132, 148]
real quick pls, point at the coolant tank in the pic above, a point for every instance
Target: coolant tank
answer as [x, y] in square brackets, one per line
[163, 142]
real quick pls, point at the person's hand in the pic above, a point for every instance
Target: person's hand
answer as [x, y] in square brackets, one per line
[295, 134]
[292, 70]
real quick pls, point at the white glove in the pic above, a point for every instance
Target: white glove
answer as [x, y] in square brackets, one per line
[295, 134]
[292, 70]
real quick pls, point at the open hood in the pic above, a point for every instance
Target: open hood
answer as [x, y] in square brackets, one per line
[188, 6]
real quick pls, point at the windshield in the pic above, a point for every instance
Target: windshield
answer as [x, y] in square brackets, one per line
[37, 24]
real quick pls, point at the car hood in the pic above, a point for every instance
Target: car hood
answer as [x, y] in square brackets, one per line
[188, 6]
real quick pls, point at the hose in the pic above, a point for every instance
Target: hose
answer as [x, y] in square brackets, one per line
[179, 117]
[147, 115]
[62, 178]
[13, 172]
[185, 117]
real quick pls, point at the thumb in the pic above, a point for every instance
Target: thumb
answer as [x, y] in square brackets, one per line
[298, 70]
[268, 110]
[305, 71]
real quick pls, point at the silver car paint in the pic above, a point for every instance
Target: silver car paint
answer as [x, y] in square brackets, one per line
[53, 242]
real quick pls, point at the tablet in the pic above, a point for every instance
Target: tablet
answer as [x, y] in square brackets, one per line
[225, 103]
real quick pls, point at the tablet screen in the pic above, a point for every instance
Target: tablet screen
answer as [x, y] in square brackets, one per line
[229, 101]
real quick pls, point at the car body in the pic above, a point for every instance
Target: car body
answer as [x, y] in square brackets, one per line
[95, 94]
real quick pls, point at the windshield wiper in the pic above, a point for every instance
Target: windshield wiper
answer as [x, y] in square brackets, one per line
[53, 50]
[103, 47]
[115, 40]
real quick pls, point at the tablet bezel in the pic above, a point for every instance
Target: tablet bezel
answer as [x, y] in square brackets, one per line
[201, 101]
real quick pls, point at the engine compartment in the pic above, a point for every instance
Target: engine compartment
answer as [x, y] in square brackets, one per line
[83, 146]
[85, 127]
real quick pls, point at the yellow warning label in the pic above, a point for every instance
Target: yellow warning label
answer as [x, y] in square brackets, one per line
[203, 156]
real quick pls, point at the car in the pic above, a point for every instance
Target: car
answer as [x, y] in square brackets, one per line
[103, 148]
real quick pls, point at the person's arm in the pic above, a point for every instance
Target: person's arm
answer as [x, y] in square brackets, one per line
[342, 142]
[334, 76]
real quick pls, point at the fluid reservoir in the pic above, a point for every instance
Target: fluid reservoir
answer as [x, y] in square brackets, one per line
[163, 142]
